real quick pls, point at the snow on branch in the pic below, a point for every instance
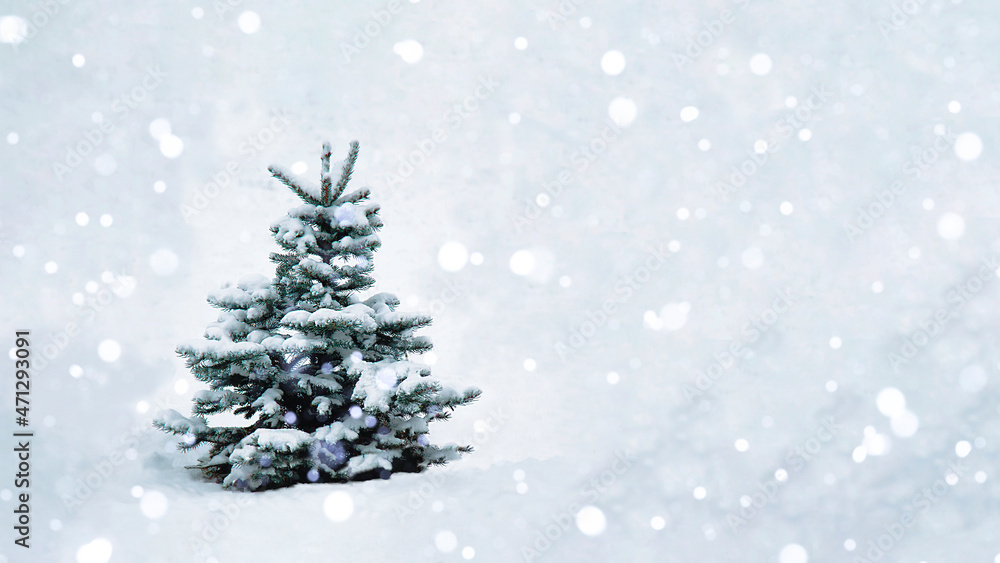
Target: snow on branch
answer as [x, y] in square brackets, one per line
[176, 423]
[287, 179]
[345, 173]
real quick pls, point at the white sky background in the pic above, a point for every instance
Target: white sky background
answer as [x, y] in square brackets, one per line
[906, 97]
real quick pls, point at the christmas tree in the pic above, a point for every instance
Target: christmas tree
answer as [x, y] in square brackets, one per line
[322, 376]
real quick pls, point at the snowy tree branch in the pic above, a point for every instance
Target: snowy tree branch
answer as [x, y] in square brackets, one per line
[286, 179]
[345, 174]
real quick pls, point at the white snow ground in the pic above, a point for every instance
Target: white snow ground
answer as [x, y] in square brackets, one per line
[582, 316]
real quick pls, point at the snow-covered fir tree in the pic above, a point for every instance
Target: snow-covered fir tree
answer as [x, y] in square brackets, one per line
[323, 377]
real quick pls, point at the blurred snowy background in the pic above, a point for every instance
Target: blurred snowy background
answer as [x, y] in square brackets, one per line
[724, 270]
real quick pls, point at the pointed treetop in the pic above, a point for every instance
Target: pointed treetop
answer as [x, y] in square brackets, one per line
[328, 193]
[324, 171]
